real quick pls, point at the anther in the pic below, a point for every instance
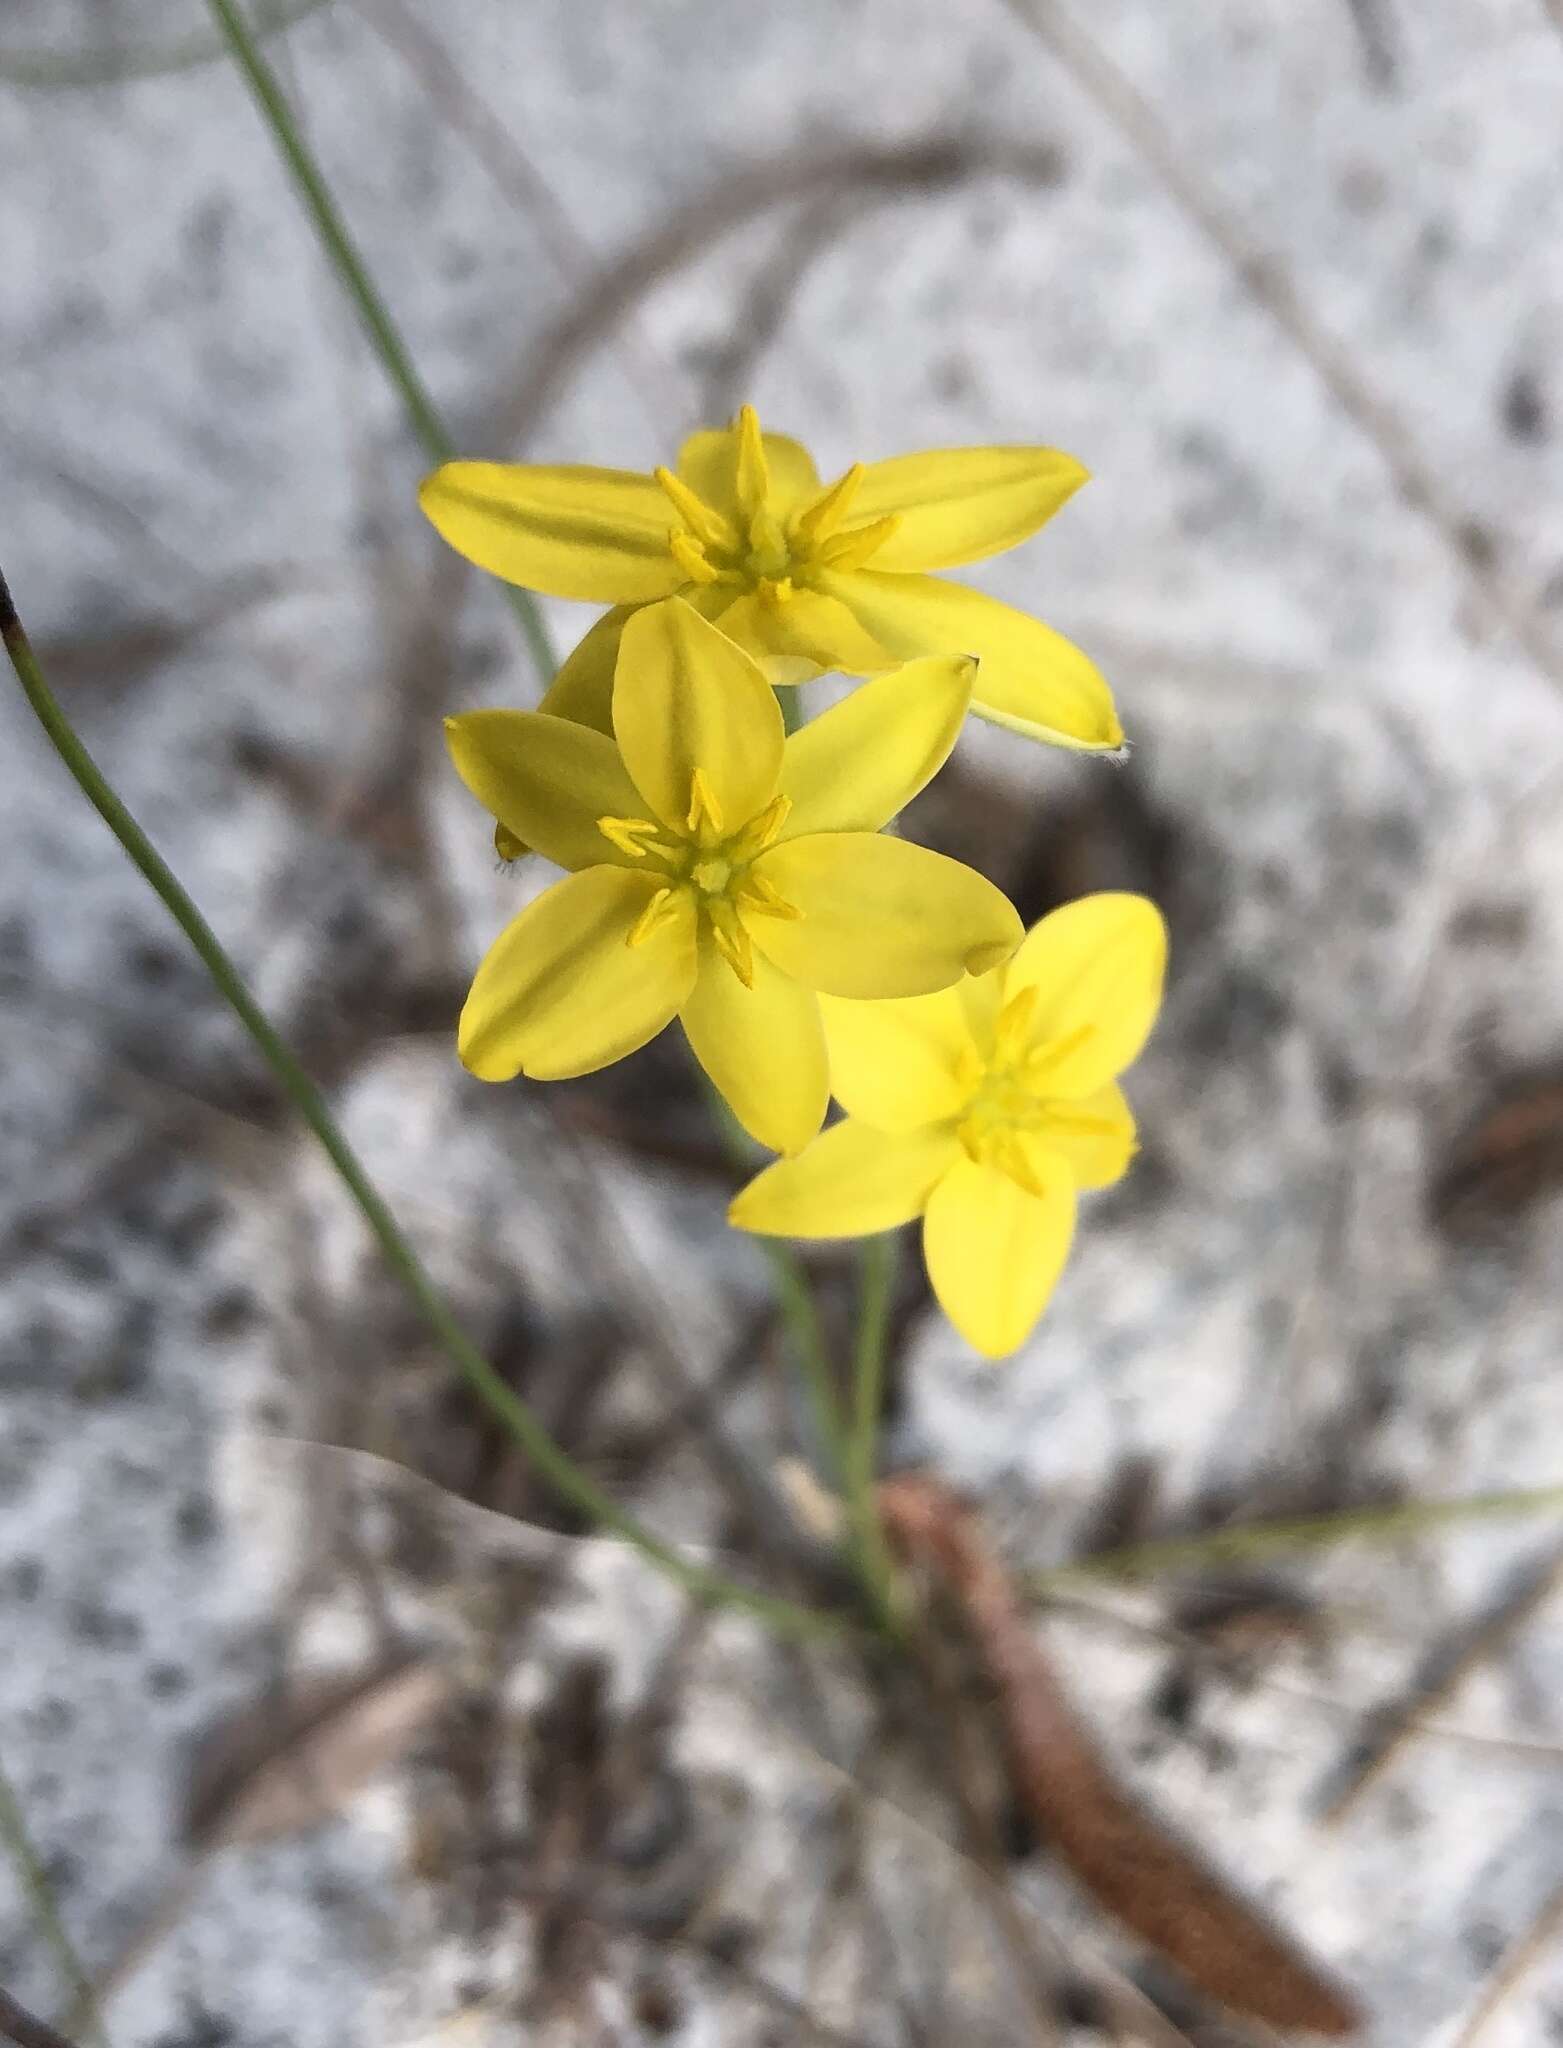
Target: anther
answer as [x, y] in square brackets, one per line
[762, 831]
[1046, 1057]
[766, 900]
[753, 479]
[690, 557]
[704, 522]
[850, 550]
[732, 942]
[656, 912]
[627, 833]
[1012, 1157]
[1015, 1021]
[703, 803]
[830, 507]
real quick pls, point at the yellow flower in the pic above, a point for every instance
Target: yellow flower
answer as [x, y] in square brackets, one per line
[723, 873]
[805, 578]
[983, 1109]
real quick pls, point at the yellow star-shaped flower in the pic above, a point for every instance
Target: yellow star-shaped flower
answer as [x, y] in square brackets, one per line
[806, 578]
[722, 872]
[983, 1109]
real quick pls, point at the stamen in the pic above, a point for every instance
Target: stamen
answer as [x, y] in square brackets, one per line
[656, 912]
[1014, 1025]
[764, 899]
[732, 942]
[690, 557]
[761, 831]
[1087, 1126]
[775, 590]
[1049, 1056]
[753, 480]
[703, 520]
[970, 1067]
[850, 550]
[830, 507]
[1012, 1159]
[703, 803]
[627, 833]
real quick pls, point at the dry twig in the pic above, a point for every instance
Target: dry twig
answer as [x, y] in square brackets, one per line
[1128, 1860]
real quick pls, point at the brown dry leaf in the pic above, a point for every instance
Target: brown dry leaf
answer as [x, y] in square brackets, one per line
[1125, 1857]
[1510, 1159]
[283, 1766]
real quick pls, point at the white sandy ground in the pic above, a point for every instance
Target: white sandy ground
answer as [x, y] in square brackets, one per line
[1350, 754]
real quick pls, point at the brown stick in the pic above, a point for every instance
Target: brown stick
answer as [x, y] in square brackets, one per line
[1128, 1860]
[19, 2025]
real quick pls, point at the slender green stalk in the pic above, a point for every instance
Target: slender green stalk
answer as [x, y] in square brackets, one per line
[35, 1884]
[360, 287]
[876, 1285]
[799, 1313]
[556, 1466]
[793, 1291]
[795, 1298]
[1306, 1532]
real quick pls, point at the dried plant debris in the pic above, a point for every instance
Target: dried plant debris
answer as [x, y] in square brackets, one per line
[1122, 1854]
[1437, 1679]
[1507, 1161]
[287, 1764]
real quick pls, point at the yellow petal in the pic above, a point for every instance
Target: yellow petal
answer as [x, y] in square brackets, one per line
[708, 463]
[880, 917]
[994, 1251]
[685, 698]
[545, 779]
[1032, 679]
[570, 530]
[801, 636]
[583, 689]
[1094, 1136]
[852, 768]
[958, 505]
[1097, 966]
[850, 1182]
[762, 1046]
[901, 1064]
[562, 992]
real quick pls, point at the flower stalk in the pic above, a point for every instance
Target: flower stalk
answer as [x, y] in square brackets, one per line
[876, 1286]
[555, 1465]
[422, 414]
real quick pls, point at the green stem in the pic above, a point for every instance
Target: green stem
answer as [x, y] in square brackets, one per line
[1306, 1532]
[398, 365]
[556, 1466]
[876, 1285]
[40, 1895]
[801, 1317]
[795, 1298]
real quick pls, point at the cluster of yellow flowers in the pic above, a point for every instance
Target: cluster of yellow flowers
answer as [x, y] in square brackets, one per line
[736, 876]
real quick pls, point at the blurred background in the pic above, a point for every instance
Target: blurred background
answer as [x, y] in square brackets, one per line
[323, 1722]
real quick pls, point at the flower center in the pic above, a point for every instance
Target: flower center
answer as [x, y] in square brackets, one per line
[713, 867]
[1009, 1101]
[757, 551]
